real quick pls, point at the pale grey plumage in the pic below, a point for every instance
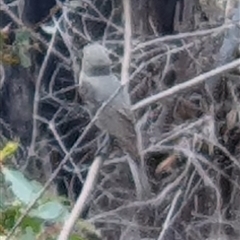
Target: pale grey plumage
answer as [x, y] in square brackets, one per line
[96, 74]
[97, 84]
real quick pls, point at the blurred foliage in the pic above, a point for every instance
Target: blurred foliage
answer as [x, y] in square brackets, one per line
[22, 46]
[7, 56]
[17, 51]
[9, 149]
[45, 220]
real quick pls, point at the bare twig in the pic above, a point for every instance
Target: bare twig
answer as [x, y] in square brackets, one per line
[127, 43]
[61, 164]
[101, 16]
[4, 7]
[82, 199]
[37, 92]
[168, 221]
[184, 35]
[180, 87]
[159, 56]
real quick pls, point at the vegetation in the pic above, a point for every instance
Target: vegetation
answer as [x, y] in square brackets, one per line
[44, 221]
[63, 178]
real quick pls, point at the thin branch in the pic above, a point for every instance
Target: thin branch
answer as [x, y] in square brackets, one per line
[61, 164]
[127, 43]
[4, 7]
[168, 221]
[183, 86]
[37, 92]
[82, 199]
[184, 35]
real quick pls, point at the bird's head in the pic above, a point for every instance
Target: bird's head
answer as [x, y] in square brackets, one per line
[95, 56]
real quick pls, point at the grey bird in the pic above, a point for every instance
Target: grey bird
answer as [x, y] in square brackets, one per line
[97, 84]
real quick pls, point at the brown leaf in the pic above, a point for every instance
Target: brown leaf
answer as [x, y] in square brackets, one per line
[166, 165]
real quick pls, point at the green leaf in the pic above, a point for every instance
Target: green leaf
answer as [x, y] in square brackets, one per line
[51, 211]
[6, 194]
[24, 58]
[22, 188]
[34, 223]
[76, 237]
[22, 37]
[28, 235]
[9, 216]
[22, 44]
[8, 150]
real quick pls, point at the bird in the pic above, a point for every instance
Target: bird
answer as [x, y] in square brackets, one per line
[97, 83]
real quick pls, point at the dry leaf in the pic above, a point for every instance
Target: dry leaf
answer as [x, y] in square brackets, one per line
[166, 165]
